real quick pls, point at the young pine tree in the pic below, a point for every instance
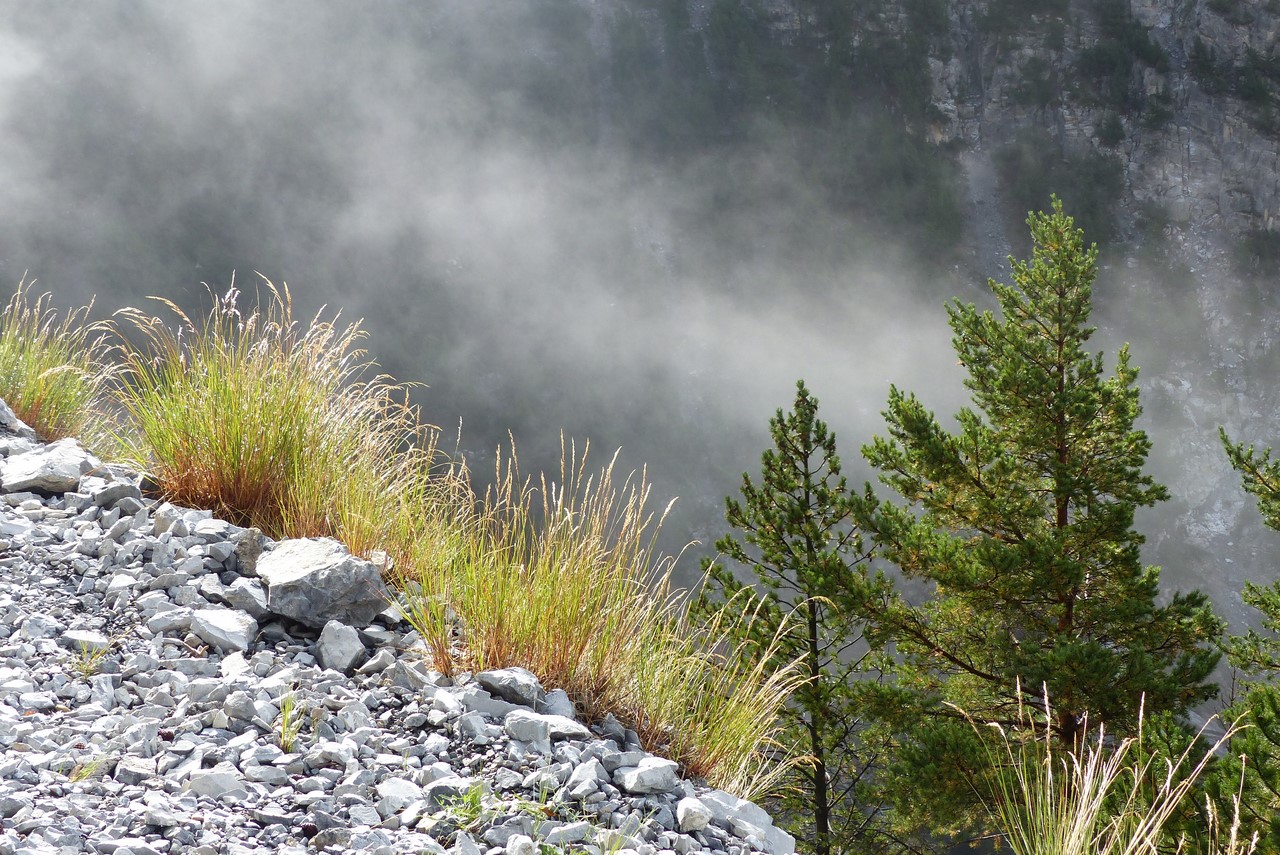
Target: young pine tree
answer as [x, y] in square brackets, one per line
[806, 556]
[1256, 778]
[1020, 523]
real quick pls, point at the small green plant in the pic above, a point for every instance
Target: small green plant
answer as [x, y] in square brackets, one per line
[88, 769]
[88, 656]
[468, 810]
[290, 723]
[88, 659]
[53, 372]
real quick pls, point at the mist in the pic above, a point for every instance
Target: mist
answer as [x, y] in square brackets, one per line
[538, 273]
[527, 224]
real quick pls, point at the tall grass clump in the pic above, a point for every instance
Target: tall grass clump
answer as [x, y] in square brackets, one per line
[276, 424]
[54, 370]
[562, 577]
[269, 422]
[1104, 798]
[703, 699]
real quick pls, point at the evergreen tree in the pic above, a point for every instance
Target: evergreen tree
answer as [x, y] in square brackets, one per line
[1256, 778]
[1020, 523]
[806, 556]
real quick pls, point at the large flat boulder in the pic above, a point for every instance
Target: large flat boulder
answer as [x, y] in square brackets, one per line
[54, 468]
[315, 580]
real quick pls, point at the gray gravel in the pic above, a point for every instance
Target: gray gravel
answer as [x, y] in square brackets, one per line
[151, 701]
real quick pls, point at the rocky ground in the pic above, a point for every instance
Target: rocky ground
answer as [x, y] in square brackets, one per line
[170, 683]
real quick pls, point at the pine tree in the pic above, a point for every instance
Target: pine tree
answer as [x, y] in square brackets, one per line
[806, 557]
[1020, 523]
[1256, 779]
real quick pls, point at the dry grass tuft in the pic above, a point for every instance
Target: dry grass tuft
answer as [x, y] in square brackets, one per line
[53, 372]
[1099, 800]
[268, 422]
[562, 577]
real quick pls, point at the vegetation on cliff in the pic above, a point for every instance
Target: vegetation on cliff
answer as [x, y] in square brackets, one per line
[862, 711]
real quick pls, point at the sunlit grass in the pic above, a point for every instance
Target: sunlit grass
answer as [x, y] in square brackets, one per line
[266, 421]
[1102, 799]
[275, 423]
[562, 577]
[54, 368]
[710, 704]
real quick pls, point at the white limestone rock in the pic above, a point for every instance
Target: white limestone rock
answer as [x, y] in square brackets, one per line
[557, 702]
[225, 629]
[516, 685]
[316, 580]
[652, 775]
[746, 818]
[135, 770]
[248, 596]
[54, 468]
[84, 640]
[692, 814]
[222, 782]
[529, 727]
[396, 794]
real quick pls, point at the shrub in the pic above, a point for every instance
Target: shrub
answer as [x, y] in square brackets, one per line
[1110, 131]
[53, 372]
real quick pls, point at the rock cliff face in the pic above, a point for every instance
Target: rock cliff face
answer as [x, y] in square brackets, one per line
[1182, 93]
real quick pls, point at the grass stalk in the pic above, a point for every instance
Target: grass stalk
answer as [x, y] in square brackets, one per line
[290, 724]
[1097, 800]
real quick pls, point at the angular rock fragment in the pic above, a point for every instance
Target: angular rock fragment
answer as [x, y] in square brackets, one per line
[225, 629]
[744, 817]
[395, 794]
[652, 775]
[54, 468]
[135, 770]
[339, 647]
[692, 814]
[516, 685]
[557, 702]
[84, 640]
[248, 596]
[316, 580]
[113, 492]
[531, 728]
[440, 792]
[222, 782]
